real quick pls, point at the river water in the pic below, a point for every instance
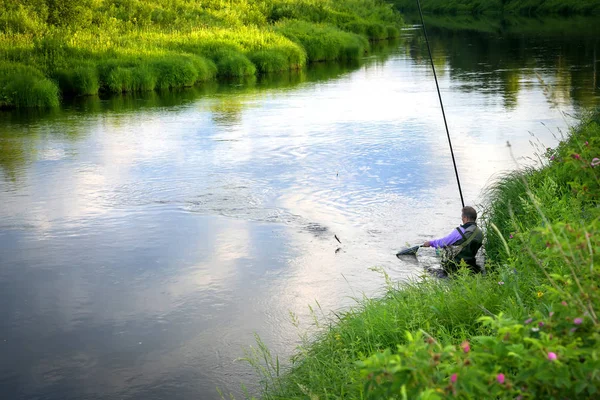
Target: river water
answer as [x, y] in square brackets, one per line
[144, 240]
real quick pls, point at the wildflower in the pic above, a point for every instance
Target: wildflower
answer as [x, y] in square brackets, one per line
[552, 356]
[551, 313]
[576, 156]
[535, 329]
[595, 162]
[500, 378]
[453, 378]
[511, 236]
[540, 294]
[586, 143]
[577, 321]
[564, 303]
[528, 321]
[540, 324]
[552, 158]
[465, 346]
[500, 283]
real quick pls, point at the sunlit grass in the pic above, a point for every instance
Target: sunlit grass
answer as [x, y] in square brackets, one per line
[140, 46]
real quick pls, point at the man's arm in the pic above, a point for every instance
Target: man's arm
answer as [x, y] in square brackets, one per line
[448, 240]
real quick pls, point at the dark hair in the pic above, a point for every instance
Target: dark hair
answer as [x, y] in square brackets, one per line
[469, 213]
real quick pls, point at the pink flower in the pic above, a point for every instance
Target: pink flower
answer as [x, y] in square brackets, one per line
[465, 346]
[551, 313]
[540, 324]
[577, 321]
[500, 378]
[511, 236]
[564, 303]
[528, 321]
[551, 356]
[576, 156]
[595, 162]
[552, 158]
[453, 378]
[586, 143]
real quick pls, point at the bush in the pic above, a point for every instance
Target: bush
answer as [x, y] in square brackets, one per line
[549, 357]
[23, 86]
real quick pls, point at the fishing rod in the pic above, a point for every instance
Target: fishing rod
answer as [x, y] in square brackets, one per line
[441, 103]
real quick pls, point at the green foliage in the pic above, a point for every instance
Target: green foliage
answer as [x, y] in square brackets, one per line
[22, 86]
[268, 61]
[231, 63]
[324, 42]
[79, 80]
[139, 45]
[549, 357]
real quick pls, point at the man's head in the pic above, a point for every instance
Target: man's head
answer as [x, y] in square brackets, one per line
[469, 214]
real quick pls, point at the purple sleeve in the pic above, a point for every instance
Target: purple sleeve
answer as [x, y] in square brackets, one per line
[452, 238]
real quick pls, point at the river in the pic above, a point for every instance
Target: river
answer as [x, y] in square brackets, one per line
[144, 240]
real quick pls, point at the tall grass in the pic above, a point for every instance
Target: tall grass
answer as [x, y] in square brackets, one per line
[137, 45]
[22, 86]
[542, 236]
[323, 42]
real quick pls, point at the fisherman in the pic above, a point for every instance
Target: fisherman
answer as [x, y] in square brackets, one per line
[461, 244]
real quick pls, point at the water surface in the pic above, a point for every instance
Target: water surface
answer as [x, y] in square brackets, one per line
[144, 240]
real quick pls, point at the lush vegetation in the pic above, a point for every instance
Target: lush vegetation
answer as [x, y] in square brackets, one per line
[69, 47]
[526, 7]
[527, 329]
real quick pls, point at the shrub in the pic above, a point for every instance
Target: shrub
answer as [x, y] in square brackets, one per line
[548, 357]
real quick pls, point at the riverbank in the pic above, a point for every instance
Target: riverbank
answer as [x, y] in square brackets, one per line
[529, 328]
[529, 8]
[53, 50]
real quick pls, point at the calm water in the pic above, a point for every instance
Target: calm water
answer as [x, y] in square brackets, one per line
[144, 240]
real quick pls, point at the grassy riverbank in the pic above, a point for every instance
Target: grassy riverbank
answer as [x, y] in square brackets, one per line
[528, 7]
[63, 48]
[529, 329]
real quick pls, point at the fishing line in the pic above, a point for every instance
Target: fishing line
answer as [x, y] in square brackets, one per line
[441, 103]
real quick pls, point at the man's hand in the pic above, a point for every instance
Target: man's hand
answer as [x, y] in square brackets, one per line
[427, 244]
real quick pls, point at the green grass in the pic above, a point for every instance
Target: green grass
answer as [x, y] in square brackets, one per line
[22, 86]
[535, 254]
[523, 7]
[89, 46]
[324, 42]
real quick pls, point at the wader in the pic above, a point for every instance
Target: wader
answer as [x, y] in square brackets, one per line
[464, 249]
